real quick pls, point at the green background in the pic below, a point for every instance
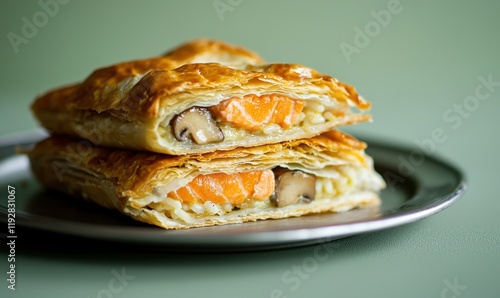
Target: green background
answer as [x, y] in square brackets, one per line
[416, 68]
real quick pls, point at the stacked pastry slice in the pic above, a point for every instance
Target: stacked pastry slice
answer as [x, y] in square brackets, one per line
[206, 135]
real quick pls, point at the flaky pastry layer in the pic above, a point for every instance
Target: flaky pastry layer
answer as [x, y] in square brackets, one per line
[132, 104]
[137, 183]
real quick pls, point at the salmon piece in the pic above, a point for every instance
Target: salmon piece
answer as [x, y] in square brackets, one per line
[251, 112]
[222, 188]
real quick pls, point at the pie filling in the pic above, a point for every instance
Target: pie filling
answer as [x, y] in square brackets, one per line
[236, 118]
[219, 193]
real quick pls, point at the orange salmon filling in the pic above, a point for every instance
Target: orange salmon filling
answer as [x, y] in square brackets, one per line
[251, 112]
[222, 188]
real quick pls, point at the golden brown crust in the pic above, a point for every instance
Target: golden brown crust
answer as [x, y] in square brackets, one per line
[196, 51]
[135, 99]
[206, 50]
[124, 180]
[159, 88]
[136, 172]
[104, 82]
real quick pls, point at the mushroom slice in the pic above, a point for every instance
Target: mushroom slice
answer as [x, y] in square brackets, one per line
[292, 187]
[197, 124]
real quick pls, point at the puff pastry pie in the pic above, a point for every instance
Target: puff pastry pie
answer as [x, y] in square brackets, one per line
[203, 96]
[329, 172]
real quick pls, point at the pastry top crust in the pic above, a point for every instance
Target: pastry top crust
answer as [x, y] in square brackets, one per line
[135, 173]
[110, 77]
[196, 51]
[144, 89]
[205, 50]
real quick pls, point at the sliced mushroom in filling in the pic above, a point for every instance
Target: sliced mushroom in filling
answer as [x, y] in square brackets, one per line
[293, 187]
[198, 125]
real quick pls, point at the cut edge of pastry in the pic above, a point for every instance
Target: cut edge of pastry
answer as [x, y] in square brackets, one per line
[338, 204]
[101, 129]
